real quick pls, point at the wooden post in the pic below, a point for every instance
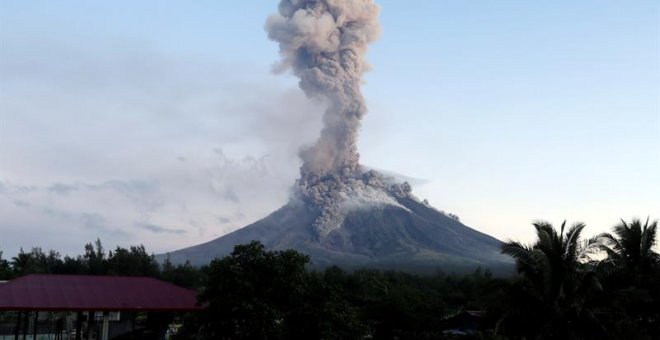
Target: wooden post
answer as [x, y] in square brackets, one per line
[79, 326]
[26, 324]
[68, 326]
[18, 326]
[36, 325]
[106, 324]
[90, 324]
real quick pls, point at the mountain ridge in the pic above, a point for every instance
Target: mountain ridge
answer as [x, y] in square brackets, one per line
[410, 236]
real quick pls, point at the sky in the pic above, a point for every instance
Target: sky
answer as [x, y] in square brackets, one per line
[161, 122]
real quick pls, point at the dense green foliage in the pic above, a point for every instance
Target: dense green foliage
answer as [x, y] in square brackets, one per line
[631, 278]
[553, 297]
[257, 294]
[253, 293]
[606, 287]
[5, 270]
[134, 261]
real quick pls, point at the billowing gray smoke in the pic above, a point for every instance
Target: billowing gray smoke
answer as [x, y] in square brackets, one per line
[324, 43]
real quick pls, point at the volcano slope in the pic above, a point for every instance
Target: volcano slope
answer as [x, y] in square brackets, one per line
[401, 233]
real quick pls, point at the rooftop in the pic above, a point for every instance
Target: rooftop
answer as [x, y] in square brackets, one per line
[98, 293]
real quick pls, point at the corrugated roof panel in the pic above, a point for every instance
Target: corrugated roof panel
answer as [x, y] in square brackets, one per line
[100, 293]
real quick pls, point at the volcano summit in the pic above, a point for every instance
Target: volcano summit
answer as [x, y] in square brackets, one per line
[340, 213]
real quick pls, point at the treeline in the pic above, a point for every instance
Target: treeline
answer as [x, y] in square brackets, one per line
[257, 294]
[604, 287]
[132, 261]
[567, 287]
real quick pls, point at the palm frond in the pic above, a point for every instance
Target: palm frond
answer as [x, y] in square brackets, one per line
[588, 248]
[623, 226]
[527, 260]
[648, 238]
[572, 238]
[515, 249]
[612, 255]
[546, 237]
[561, 230]
[611, 242]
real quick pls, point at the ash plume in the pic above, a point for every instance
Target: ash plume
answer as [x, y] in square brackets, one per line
[324, 42]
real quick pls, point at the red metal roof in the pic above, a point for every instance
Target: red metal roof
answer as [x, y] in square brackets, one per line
[97, 293]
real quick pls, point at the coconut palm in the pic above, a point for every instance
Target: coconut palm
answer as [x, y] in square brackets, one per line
[557, 283]
[631, 252]
[631, 276]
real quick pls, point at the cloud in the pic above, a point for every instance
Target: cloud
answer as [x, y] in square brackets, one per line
[22, 204]
[223, 219]
[400, 178]
[96, 223]
[124, 136]
[62, 189]
[10, 188]
[158, 229]
[190, 195]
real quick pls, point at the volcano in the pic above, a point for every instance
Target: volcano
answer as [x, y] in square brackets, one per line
[339, 212]
[381, 224]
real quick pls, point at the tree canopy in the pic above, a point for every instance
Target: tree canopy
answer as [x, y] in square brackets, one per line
[566, 287]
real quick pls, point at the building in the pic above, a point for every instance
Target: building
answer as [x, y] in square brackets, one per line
[88, 307]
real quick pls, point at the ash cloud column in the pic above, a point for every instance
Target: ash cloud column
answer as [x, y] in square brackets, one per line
[324, 42]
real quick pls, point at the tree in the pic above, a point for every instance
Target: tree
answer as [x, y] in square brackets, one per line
[94, 258]
[134, 261]
[631, 277]
[5, 270]
[631, 251]
[254, 294]
[184, 275]
[36, 262]
[73, 265]
[557, 285]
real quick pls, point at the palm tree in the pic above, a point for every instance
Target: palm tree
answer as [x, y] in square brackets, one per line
[557, 283]
[631, 252]
[631, 276]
